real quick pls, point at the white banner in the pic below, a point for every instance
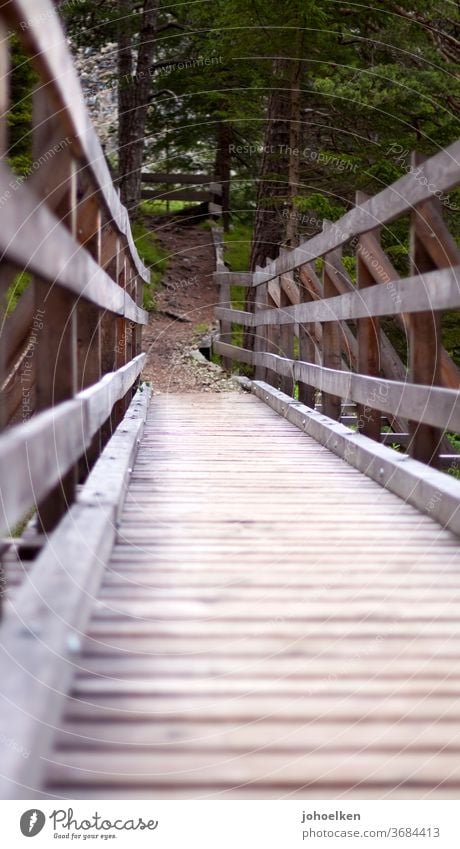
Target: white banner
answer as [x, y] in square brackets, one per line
[231, 824]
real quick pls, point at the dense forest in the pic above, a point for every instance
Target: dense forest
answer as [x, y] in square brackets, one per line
[292, 113]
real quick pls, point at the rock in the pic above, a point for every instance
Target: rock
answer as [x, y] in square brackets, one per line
[194, 354]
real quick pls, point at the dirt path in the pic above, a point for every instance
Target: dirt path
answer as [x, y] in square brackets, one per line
[184, 315]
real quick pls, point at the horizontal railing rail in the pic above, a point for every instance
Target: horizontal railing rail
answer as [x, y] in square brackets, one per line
[310, 331]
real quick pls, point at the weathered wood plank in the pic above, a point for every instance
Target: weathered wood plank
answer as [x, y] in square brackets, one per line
[187, 195]
[436, 290]
[182, 179]
[40, 461]
[233, 631]
[33, 238]
[430, 491]
[368, 335]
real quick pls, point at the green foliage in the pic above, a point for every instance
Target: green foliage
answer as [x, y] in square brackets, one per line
[160, 207]
[451, 334]
[350, 264]
[23, 80]
[154, 257]
[323, 206]
[238, 247]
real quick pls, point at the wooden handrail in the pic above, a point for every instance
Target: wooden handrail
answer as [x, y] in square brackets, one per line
[283, 306]
[43, 449]
[32, 237]
[40, 31]
[438, 174]
[435, 290]
[70, 358]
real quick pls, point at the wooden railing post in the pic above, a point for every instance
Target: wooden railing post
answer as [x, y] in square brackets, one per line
[260, 333]
[225, 328]
[369, 419]
[122, 325]
[332, 352]
[225, 300]
[89, 367]
[424, 343]
[56, 346]
[286, 331]
[307, 347]
[272, 332]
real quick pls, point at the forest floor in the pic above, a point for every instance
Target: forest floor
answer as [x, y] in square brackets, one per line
[184, 314]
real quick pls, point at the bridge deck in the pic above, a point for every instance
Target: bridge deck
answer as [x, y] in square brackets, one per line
[272, 623]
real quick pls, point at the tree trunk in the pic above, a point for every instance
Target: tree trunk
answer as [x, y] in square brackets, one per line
[272, 188]
[134, 91]
[222, 168]
[295, 135]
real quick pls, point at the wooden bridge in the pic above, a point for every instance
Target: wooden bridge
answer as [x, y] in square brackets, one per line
[220, 596]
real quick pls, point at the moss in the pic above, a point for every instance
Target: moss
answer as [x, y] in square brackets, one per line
[16, 289]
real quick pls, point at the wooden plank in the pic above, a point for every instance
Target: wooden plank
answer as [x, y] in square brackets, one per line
[32, 238]
[368, 335]
[430, 491]
[392, 202]
[40, 461]
[217, 639]
[235, 278]
[55, 381]
[331, 347]
[182, 179]
[218, 243]
[307, 349]
[260, 338]
[270, 735]
[17, 327]
[227, 314]
[89, 335]
[384, 272]
[286, 334]
[429, 405]
[40, 636]
[100, 398]
[424, 352]
[187, 195]
[225, 304]
[323, 769]
[438, 290]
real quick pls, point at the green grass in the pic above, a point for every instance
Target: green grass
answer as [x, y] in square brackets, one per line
[158, 207]
[154, 257]
[238, 247]
[206, 225]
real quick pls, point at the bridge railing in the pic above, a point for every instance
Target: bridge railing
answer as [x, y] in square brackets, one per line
[299, 336]
[70, 351]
